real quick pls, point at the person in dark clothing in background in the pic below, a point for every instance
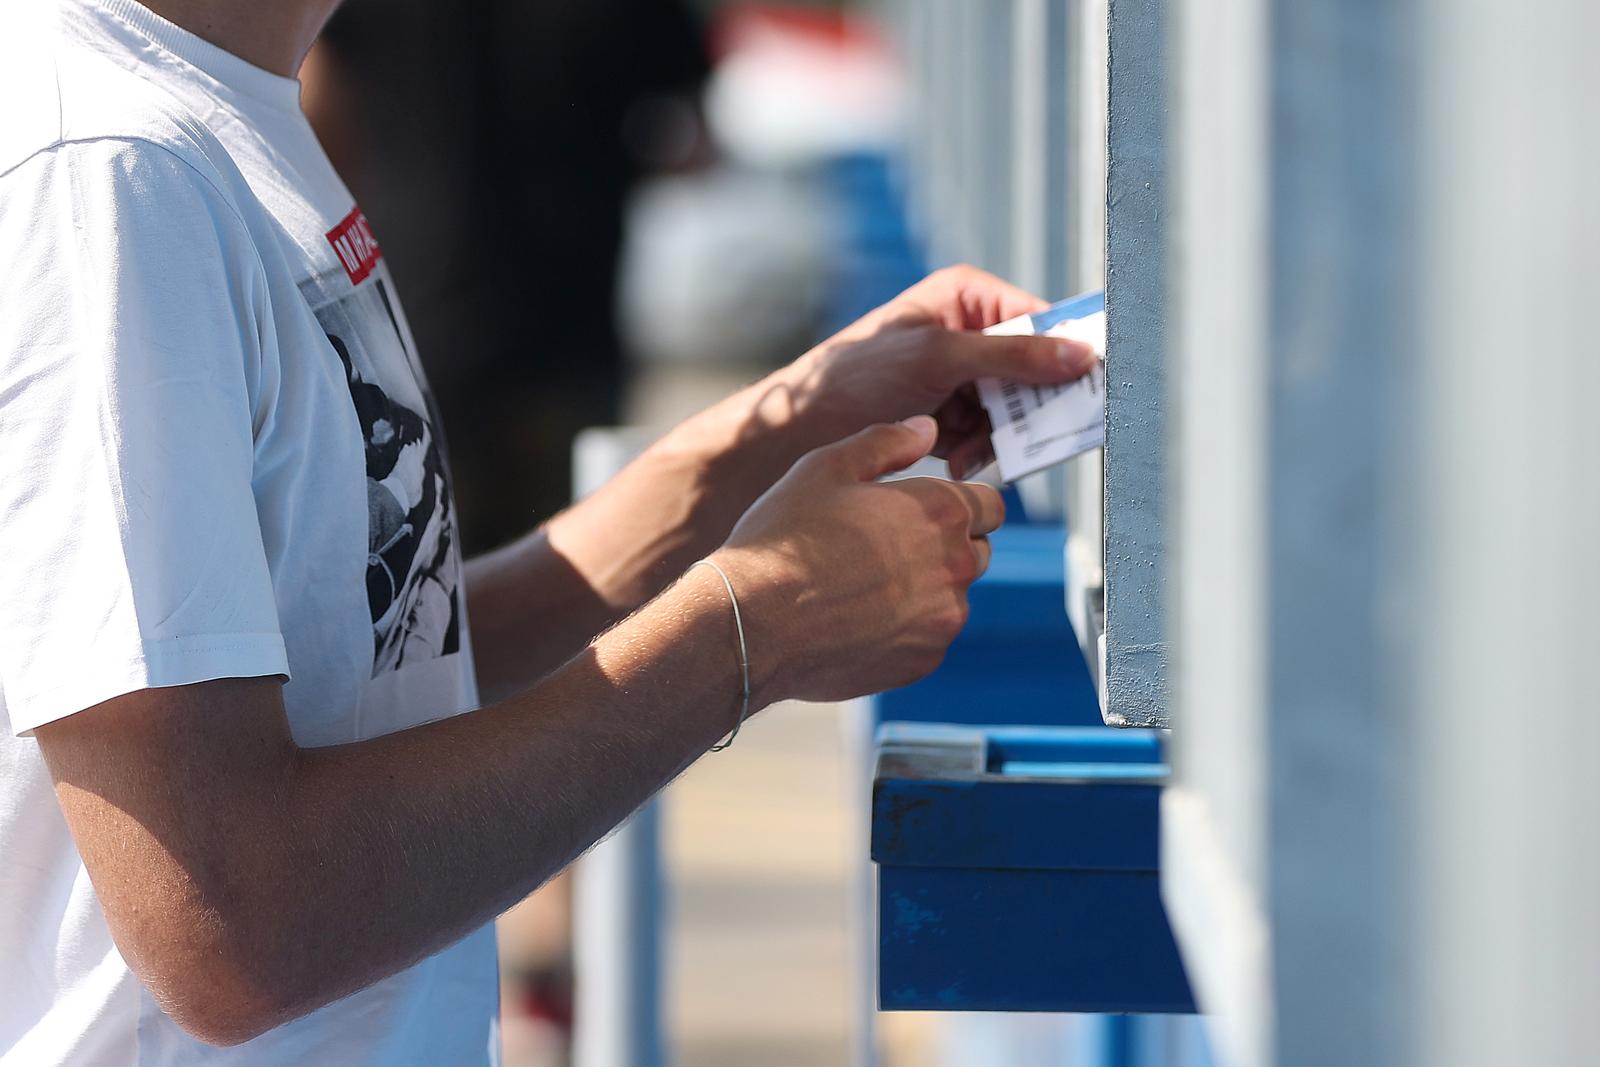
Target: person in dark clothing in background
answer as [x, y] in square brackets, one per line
[499, 141]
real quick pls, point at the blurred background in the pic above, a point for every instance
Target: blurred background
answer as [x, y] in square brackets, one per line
[1338, 552]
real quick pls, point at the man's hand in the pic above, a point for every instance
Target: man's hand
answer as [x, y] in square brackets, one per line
[538, 600]
[920, 354]
[851, 586]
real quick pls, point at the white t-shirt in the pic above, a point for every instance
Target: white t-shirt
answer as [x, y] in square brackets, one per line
[217, 459]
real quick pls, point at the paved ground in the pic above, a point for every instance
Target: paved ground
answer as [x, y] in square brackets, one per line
[761, 851]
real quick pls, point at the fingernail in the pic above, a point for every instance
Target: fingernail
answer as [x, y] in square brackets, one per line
[1075, 356]
[922, 424]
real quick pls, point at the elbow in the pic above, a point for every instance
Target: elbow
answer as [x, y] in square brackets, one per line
[226, 964]
[220, 1032]
[219, 952]
[218, 979]
[220, 1005]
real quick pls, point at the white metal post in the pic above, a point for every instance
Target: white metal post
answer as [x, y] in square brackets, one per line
[617, 886]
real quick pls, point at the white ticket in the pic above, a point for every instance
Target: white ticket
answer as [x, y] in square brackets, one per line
[1037, 426]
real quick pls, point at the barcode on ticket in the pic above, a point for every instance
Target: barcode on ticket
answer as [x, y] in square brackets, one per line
[1015, 413]
[1038, 426]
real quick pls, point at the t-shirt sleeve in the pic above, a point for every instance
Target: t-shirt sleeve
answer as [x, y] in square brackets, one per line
[133, 316]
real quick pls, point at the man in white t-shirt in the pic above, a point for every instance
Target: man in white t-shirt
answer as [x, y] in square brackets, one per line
[243, 816]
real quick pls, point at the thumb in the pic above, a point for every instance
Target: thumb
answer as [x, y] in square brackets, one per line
[1019, 357]
[889, 447]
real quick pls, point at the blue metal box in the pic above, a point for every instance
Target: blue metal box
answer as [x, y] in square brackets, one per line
[1018, 871]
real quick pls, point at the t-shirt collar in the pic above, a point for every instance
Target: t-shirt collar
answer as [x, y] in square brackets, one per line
[224, 66]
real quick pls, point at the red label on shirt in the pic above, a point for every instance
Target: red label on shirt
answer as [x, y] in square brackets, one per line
[355, 246]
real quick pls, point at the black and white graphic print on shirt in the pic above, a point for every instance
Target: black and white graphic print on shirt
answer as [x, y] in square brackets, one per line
[413, 568]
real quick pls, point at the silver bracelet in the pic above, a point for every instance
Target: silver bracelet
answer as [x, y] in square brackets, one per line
[744, 654]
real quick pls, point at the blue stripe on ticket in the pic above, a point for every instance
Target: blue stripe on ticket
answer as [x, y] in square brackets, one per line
[1074, 308]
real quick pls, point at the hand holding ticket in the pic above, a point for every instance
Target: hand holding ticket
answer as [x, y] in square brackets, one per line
[1038, 426]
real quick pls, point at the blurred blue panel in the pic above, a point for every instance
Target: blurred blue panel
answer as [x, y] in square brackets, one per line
[878, 257]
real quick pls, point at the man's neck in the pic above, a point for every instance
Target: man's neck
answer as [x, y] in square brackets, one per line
[274, 35]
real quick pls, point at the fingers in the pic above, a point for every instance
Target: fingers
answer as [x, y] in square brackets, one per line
[984, 505]
[886, 448]
[966, 298]
[964, 431]
[1021, 358]
[959, 417]
[984, 552]
[971, 455]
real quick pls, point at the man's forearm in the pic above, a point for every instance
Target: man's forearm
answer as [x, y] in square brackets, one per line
[533, 603]
[334, 867]
[247, 880]
[451, 823]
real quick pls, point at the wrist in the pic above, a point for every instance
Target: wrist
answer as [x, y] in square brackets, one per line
[680, 654]
[798, 403]
[760, 589]
[740, 446]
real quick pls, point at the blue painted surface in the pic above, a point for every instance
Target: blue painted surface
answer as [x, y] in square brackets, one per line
[1007, 892]
[980, 939]
[975, 816]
